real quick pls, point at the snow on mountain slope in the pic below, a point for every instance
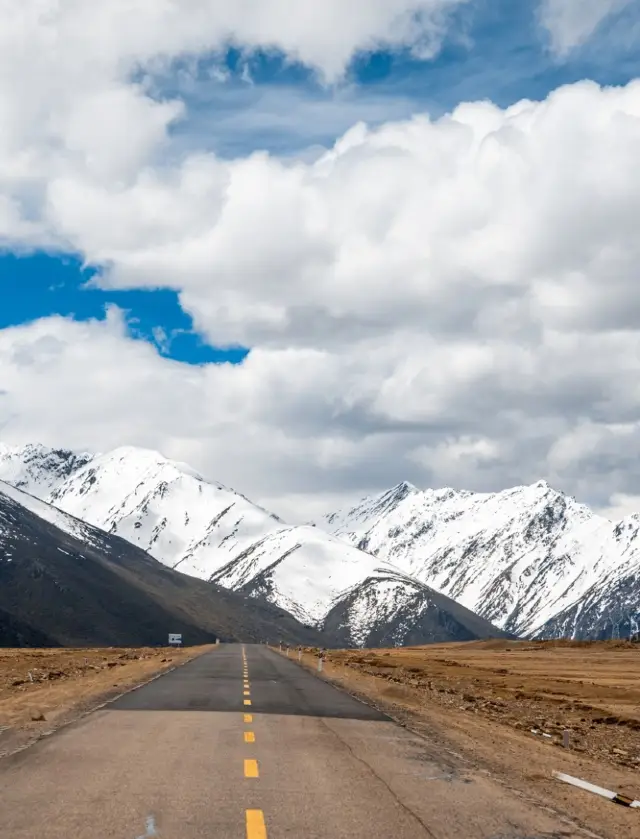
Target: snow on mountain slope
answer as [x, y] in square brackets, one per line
[165, 508]
[391, 609]
[302, 569]
[517, 557]
[69, 524]
[37, 469]
[610, 608]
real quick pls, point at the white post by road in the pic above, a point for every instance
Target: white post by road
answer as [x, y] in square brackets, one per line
[299, 655]
[319, 665]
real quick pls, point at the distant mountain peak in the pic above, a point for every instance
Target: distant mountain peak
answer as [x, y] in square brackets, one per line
[517, 557]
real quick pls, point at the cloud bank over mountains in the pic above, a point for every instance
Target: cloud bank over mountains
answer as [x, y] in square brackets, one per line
[450, 301]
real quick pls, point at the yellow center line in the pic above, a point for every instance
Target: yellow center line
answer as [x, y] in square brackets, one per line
[256, 828]
[247, 702]
[246, 693]
[248, 717]
[251, 768]
[249, 737]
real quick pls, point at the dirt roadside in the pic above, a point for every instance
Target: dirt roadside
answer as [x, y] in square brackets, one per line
[482, 701]
[42, 689]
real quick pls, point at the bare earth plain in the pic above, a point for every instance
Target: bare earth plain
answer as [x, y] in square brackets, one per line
[503, 706]
[42, 689]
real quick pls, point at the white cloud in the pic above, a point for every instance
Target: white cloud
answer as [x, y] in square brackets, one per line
[524, 216]
[622, 505]
[571, 23]
[450, 301]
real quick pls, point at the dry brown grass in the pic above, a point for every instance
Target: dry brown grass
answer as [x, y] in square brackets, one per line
[591, 690]
[42, 688]
[481, 700]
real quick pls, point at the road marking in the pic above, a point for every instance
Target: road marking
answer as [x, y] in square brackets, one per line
[246, 693]
[248, 717]
[249, 737]
[251, 768]
[247, 702]
[256, 828]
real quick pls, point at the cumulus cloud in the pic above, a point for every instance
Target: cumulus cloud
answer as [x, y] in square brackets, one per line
[571, 23]
[446, 301]
[482, 222]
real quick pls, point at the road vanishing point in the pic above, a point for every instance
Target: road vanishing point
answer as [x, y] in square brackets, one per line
[243, 743]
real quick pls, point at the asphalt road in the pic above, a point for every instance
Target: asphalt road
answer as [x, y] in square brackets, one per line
[249, 744]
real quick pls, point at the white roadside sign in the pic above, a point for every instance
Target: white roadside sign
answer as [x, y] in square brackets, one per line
[175, 638]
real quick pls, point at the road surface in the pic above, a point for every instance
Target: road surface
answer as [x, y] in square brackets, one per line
[243, 742]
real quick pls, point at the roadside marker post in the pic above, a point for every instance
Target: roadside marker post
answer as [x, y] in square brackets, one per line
[299, 655]
[319, 665]
[616, 797]
[565, 739]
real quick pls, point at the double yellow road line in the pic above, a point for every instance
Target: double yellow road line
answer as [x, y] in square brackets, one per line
[256, 828]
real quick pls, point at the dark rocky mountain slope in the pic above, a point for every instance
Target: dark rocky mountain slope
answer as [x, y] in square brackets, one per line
[63, 582]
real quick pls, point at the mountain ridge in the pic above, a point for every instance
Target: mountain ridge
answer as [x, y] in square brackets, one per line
[519, 558]
[210, 531]
[78, 586]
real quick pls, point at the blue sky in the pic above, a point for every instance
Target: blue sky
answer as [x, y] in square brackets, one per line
[495, 50]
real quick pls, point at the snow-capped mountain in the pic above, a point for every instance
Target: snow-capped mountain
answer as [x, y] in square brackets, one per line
[529, 559]
[195, 526]
[65, 582]
[164, 507]
[210, 531]
[299, 565]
